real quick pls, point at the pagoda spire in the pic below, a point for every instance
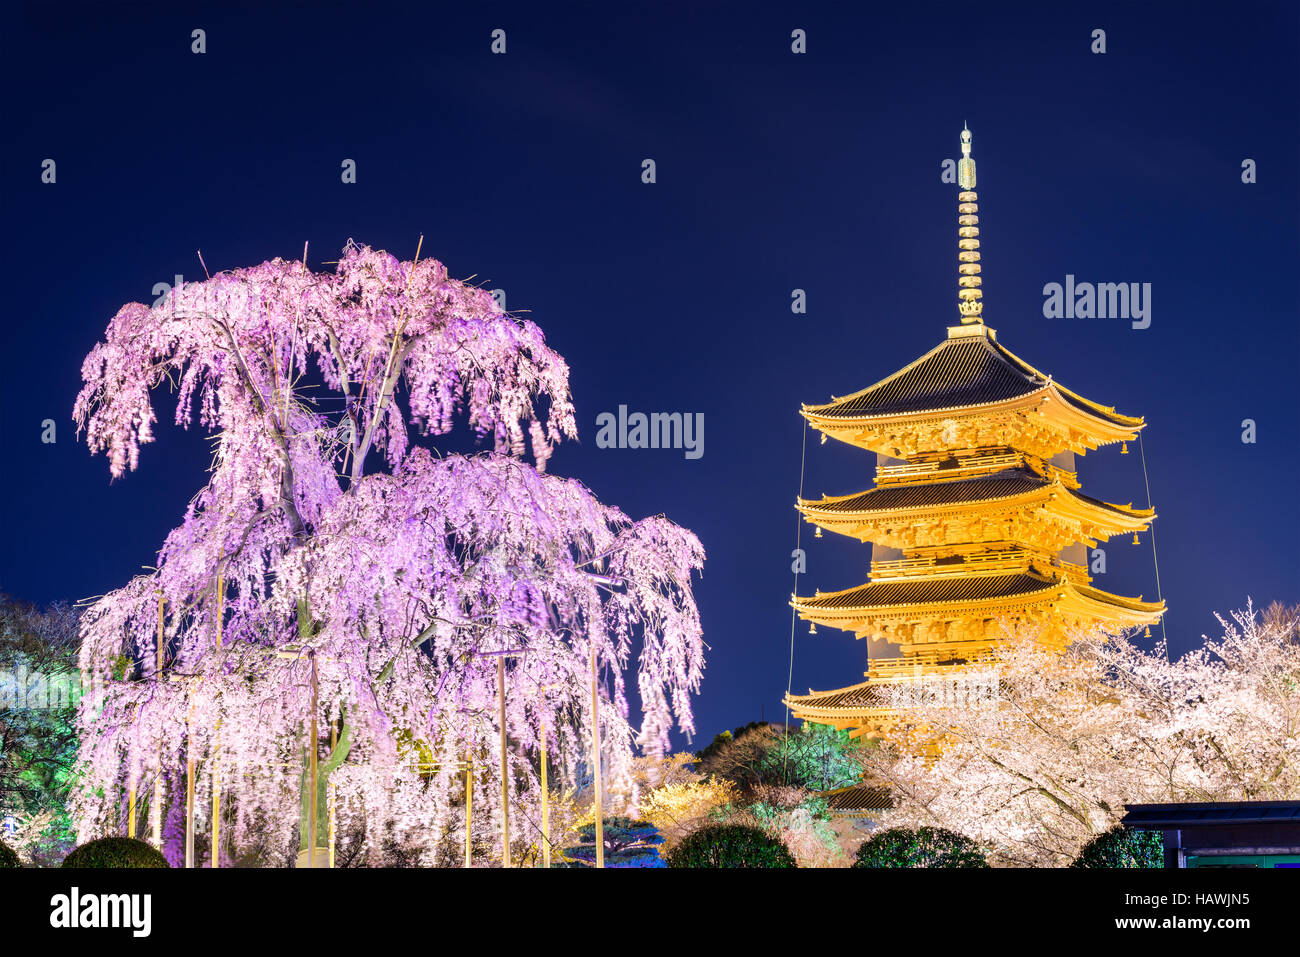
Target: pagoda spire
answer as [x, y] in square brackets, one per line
[968, 245]
[977, 521]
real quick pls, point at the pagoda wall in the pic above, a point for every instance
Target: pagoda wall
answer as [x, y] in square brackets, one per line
[879, 648]
[883, 553]
[1078, 552]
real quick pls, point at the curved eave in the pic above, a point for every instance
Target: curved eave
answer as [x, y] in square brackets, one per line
[1125, 426]
[857, 719]
[810, 606]
[811, 697]
[814, 413]
[1110, 428]
[846, 713]
[1106, 411]
[809, 506]
[1088, 600]
[1107, 600]
[1119, 518]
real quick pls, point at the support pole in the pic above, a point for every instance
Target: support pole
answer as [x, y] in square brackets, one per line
[216, 799]
[189, 787]
[158, 781]
[216, 747]
[130, 811]
[329, 790]
[469, 805]
[595, 757]
[505, 781]
[546, 806]
[313, 771]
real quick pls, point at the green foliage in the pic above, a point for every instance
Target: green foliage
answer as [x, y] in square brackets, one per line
[817, 757]
[38, 732]
[1120, 847]
[722, 739]
[772, 812]
[924, 847]
[757, 755]
[120, 667]
[628, 843]
[115, 852]
[730, 845]
[805, 827]
[7, 857]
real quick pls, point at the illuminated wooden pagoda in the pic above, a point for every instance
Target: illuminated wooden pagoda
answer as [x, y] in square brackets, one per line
[977, 520]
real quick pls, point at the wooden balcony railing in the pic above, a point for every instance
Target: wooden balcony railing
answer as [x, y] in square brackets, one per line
[979, 563]
[967, 465]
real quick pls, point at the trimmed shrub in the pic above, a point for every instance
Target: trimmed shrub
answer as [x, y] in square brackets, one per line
[115, 852]
[730, 845]
[1120, 847]
[8, 858]
[627, 843]
[924, 847]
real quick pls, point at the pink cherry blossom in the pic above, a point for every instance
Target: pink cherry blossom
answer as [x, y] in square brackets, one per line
[328, 535]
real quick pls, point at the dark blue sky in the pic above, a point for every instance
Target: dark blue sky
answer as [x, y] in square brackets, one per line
[775, 172]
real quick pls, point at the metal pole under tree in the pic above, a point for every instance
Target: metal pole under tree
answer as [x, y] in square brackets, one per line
[469, 805]
[505, 771]
[546, 806]
[329, 788]
[595, 758]
[308, 856]
[188, 681]
[312, 768]
[158, 781]
[216, 746]
[189, 787]
[505, 780]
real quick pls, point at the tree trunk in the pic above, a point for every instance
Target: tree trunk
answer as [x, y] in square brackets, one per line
[327, 767]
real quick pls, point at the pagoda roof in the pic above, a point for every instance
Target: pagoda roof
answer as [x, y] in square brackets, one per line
[990, 488]
[1109, 598]
[857, 799]
[927, 591]
[864, 695]
[968, 369]
[925, 595]
[845, 708]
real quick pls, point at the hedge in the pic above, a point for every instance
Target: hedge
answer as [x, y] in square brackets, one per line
[924, 847]
[115, 852]
[730, 845]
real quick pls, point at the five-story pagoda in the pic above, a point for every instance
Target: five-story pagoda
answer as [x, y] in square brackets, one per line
[976, 519]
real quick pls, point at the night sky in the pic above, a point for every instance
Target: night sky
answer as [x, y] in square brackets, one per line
[775, 171]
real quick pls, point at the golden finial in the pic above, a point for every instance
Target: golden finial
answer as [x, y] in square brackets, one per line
[965, 168]
[968, 244]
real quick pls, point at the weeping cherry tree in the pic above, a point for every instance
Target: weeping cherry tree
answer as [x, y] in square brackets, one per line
[328, 547]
